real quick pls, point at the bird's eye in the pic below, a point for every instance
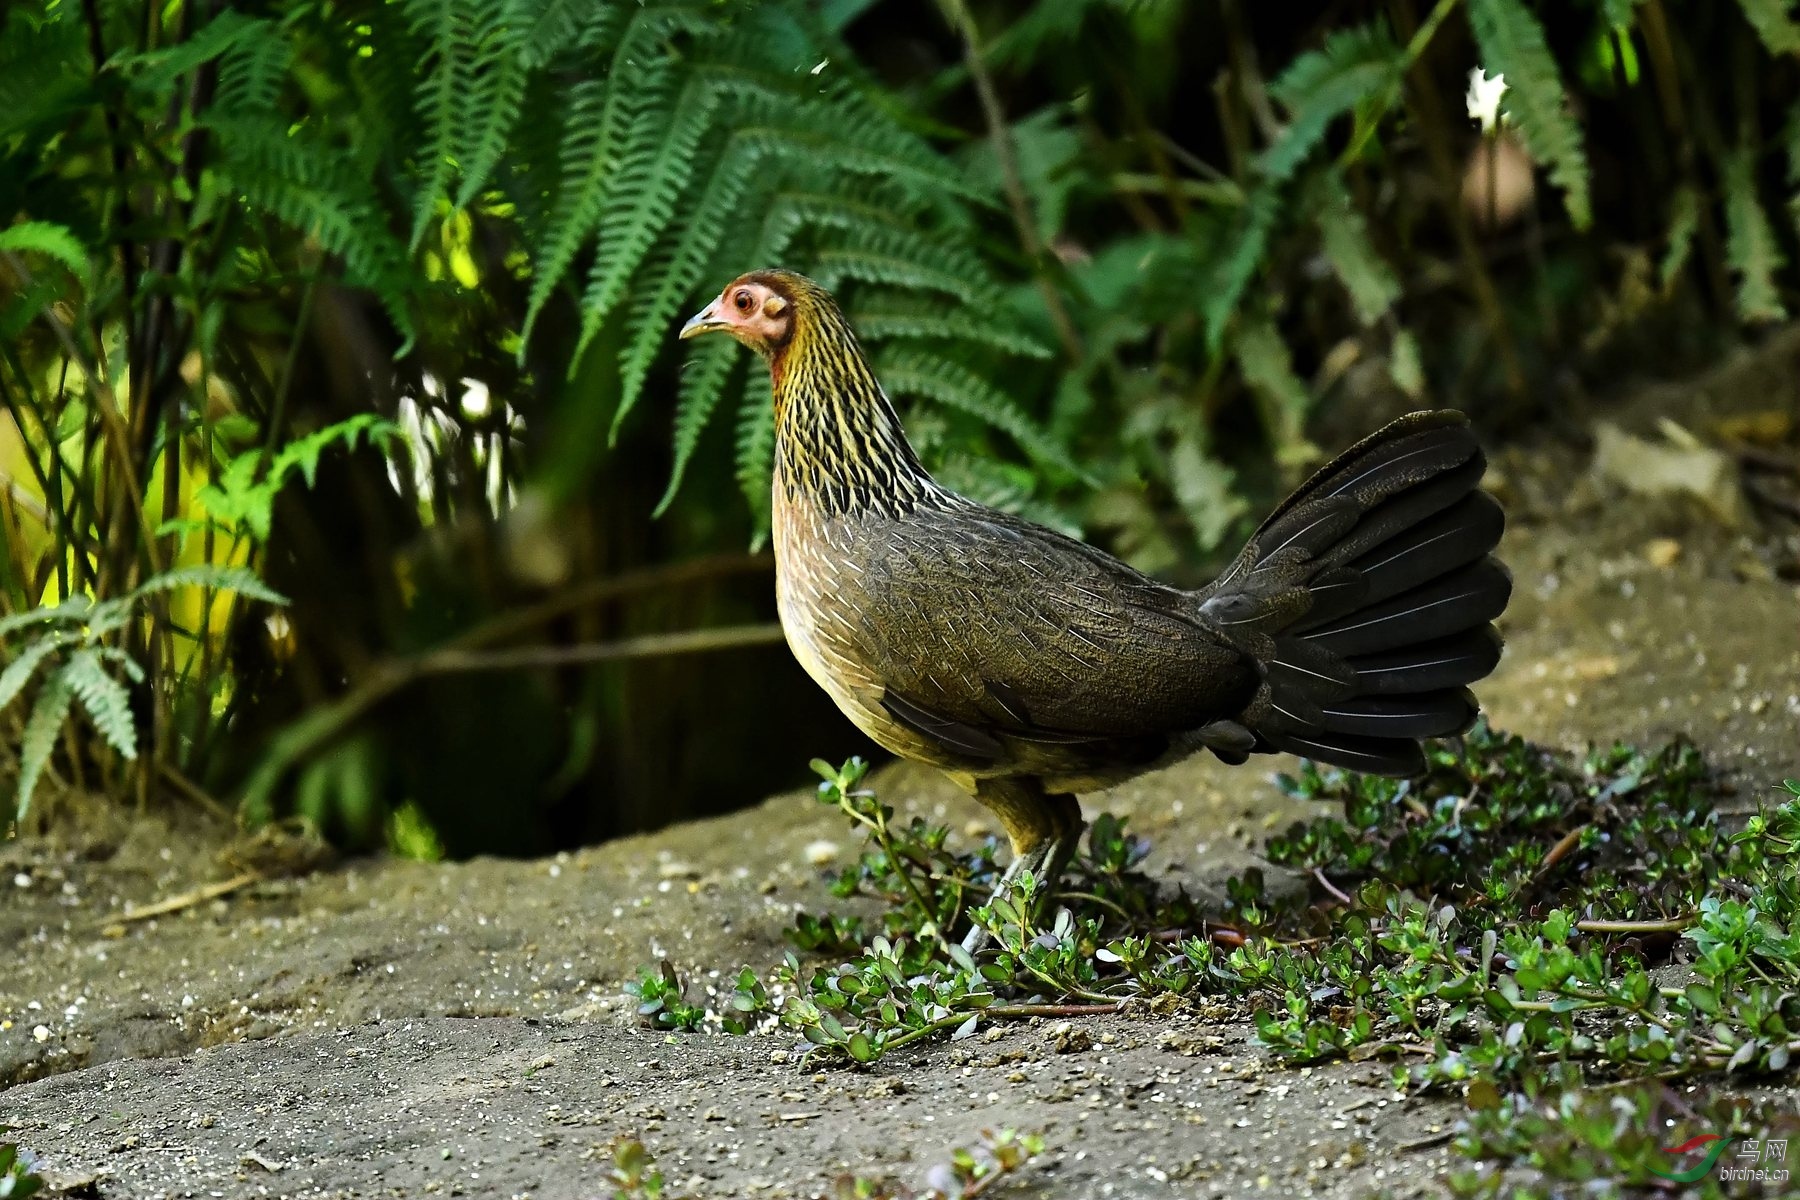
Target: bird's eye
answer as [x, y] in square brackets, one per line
[742, 300]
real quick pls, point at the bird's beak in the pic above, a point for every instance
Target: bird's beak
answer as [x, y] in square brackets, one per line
[704, 321]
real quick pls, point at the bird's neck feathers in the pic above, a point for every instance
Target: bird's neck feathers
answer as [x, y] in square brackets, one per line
[838, 441]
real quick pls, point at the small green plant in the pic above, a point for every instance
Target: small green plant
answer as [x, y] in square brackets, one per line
[969, 1172]
[633, 1174]
[241, 500]
[72, 648]
[17, 1178]
[661, 1000]
[1501, 928]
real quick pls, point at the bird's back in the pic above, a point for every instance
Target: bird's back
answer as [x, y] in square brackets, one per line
[974, 640]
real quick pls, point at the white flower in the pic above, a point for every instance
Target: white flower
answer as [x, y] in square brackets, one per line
[1484, 98]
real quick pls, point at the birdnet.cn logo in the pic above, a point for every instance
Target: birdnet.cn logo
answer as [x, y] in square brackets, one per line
[1753, 1162]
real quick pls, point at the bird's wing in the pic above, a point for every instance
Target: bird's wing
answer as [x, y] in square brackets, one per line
[986, 627]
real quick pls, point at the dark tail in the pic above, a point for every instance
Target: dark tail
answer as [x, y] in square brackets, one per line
[1369, 596]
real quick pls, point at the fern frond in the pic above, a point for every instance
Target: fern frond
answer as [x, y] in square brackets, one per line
[1269, 370]
[701, 386]
[1206, 489]
[43, 69]
[672, 279]
[50, 240]
[75, 609]
[1750, 246]
[107, 703]
[20, 670]
[1774, 24]
[1344, 235]
[908, 318]
[1237, 261]
[48, 712]
[1512, 44]
[549, 28]
[241, 580]
[307, 184]
[470, 92]
[906, 372]
[154, 73]
[252, 72]
[641, 202]
[755, 457]
[603, 116]
[1356, 66]
[1684, 223]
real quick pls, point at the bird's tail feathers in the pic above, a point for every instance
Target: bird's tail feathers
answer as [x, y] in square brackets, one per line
[1369, 597]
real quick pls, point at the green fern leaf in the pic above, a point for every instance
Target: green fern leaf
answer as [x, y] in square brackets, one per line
[48, 712]
[303, 453]
[906, 372]
[1345, 236]
[1206, 489]
[156, 72]
[1512, 44]
[756, 454]
[1285, 400]
[52, 241]
[1684, 223]
[307, 183]
[241, 580]
[672, 278]
[1750, 246]
[602, 117]
[1406, 367]
[20, 670]
[549, 28]
[1774, 24]
[252, 73]
[701, 386]
[107, 703]
[441, 80]
[1240, 258]
[75, 609]
[1357, 66]
[641, 201]
[908, 318]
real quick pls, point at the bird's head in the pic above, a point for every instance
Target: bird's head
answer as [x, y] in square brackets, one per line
[760, 309]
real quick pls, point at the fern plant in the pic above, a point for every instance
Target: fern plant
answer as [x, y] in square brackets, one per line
[71, 650]
[700, 141]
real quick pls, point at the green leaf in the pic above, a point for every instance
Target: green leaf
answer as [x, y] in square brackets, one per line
[76, 608]
[39, 740]
[211, 575]
[20, 670]
[1684, 223]
[107, 703]
[1240, 258]
[1356, 66]
[1512, 44]
[1269, 370]
[50, 240]
[1750, 245]
[1774, 24]
[1405, 365]
[1345, 236]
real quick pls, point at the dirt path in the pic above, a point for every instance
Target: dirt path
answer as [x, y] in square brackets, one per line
[392, 1028]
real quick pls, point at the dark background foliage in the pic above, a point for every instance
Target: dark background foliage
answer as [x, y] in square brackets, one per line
[378, 299]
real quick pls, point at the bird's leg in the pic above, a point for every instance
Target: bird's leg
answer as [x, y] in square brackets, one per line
[1069, 826]
[1043, 830]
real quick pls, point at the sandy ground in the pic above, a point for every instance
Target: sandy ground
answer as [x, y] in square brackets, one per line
[396, 1028]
